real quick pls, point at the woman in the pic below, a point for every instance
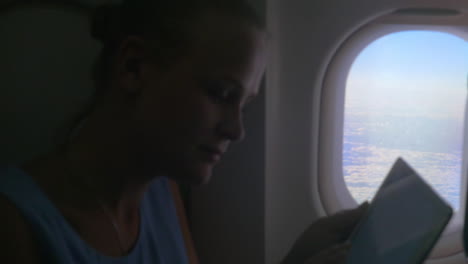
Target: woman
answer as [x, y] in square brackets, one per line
[171, 83]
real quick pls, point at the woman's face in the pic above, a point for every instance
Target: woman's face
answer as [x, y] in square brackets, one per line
[187, 114]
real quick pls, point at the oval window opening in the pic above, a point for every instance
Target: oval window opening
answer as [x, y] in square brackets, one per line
[405, 97]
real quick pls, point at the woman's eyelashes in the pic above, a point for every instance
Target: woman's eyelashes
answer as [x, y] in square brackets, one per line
[226, 93]
[221, 92]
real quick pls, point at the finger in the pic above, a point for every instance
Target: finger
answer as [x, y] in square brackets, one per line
[335, 251]
[343, 247]
[346, 220]
[334, 255]
[340, 255]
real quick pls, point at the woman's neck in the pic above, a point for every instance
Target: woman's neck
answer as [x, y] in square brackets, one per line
[98, 165]
[100, 157]
[97, 207]
[96, 181]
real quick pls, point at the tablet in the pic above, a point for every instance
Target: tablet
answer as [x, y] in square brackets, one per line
[403, 222]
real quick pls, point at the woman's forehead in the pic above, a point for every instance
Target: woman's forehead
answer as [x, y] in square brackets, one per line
[228, 43]
[225, 35]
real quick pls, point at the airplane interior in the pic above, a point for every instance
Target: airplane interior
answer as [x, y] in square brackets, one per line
[350, 86]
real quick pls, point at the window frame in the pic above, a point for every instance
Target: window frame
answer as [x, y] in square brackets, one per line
[333, 192]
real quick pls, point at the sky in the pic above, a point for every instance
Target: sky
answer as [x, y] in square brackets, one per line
[405, 96]
[422, 66]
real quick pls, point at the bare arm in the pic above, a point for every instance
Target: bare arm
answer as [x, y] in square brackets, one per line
[17, 244]
[324, 241]
[189, 245]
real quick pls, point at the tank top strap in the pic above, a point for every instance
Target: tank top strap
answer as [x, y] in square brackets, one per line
[20, 189]
[160, 240]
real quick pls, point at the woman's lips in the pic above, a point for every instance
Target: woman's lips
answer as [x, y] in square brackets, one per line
[211, 154]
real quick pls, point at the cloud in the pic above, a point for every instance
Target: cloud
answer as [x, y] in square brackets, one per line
[365, 167]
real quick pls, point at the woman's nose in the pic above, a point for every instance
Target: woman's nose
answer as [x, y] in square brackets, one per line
[232, 127]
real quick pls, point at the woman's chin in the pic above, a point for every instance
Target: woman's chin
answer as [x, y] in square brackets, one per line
[202, 175]
[195, 175]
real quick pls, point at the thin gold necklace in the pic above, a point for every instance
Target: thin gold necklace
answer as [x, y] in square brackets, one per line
[114, 224]
[104, 209]
[102, 206]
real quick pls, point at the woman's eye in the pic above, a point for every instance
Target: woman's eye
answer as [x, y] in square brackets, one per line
[220, 93]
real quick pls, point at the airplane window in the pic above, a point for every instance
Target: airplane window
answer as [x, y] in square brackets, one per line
[405, 96]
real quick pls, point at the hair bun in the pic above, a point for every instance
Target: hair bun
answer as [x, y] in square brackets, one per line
[105, 22]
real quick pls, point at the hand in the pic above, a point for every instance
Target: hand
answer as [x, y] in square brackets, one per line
[329, 231]
[334, 255]
[324, 234]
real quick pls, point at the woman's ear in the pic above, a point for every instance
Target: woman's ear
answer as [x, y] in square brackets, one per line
[130, 61]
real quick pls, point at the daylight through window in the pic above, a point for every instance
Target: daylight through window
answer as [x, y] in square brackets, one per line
[405, 96]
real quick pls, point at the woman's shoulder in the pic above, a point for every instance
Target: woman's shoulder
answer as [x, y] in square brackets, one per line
[18, 187]
[17, 244]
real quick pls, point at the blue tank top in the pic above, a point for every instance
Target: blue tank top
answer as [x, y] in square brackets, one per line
[160, 240]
